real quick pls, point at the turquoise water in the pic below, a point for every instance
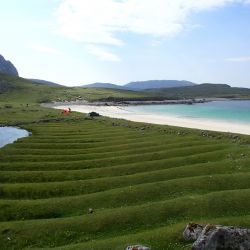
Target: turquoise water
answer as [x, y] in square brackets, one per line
[230, 111]
[9, 135]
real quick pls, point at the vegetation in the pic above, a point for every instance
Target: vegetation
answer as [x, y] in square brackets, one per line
[16, 89]
[19, 90]
[144, 182]
[202, 91]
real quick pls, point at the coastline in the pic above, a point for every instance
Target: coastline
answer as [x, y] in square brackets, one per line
[121, 113]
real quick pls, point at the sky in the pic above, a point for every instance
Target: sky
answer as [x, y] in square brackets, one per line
[76, 42]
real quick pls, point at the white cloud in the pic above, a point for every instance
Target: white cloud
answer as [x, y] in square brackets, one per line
[238, 59]
[102, 53]
[99, 21]
[46, 49]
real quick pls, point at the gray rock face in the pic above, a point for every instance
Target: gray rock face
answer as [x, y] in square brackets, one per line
[6, 67]
[192, 231]
[214, 237]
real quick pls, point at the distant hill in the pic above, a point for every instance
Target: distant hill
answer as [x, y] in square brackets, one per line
[142, 85]
[103, 85]
[21, 90]
[204, 90]
[44, 82]
[157, 84]
[6, 67]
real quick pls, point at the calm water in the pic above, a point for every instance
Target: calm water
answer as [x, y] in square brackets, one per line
[232, 111]
[10, 134]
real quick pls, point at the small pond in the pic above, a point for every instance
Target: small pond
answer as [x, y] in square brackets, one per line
[10, 134]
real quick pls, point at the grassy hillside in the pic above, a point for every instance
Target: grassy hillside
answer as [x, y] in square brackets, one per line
[202, 91]
[144, 182]
[19, 90]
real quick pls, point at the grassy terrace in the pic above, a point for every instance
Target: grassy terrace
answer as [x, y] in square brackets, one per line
[144, 182]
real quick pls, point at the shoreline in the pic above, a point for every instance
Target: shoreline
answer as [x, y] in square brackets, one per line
[121, 113]
[133, 102]
[139, 102]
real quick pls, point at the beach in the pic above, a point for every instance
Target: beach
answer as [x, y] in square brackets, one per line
[121, 113]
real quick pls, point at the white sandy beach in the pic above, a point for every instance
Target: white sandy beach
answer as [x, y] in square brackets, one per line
[121, 112]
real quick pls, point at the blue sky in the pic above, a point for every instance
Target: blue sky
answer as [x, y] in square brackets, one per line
[75, 42]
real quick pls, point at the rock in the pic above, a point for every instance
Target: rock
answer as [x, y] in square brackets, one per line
[6, 67]
[192, 231]
[91, 210]
[213, 237]
[93, 114]
[235, 137]
[137, 247]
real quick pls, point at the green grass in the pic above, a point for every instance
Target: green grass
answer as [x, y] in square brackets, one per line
[144, 182]
[202, 91]
[141, 184]
[22, 91]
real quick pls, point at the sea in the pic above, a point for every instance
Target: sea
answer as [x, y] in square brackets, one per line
[236, 111]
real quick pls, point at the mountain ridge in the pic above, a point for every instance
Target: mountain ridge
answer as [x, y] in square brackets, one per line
[102, 85]
[143, 85]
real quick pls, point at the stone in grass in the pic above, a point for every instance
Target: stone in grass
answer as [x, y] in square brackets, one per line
[213, 237]
[137, 247]
[93, 114]
[91, 210]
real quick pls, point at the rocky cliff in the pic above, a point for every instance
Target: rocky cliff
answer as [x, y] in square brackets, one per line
[6, 67]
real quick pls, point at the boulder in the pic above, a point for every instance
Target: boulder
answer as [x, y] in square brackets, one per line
[214, 237]
[192, 231]
[93, 114]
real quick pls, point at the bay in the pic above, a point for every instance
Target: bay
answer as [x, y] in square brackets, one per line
[227, 111]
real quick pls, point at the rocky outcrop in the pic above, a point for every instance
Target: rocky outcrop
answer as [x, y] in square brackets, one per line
[213, 237]
[6, 67]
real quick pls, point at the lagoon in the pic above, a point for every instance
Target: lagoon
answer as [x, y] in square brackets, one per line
[10, 134]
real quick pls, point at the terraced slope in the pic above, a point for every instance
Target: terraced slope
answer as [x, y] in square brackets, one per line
[144, 183]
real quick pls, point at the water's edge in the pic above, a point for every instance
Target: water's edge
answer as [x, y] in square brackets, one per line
[223, 116]
[221, 111]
